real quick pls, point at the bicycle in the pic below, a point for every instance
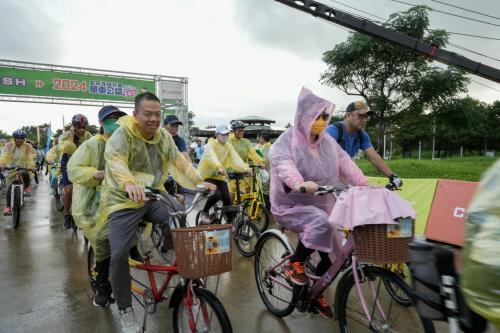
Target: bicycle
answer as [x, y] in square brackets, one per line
[439, 298]
[194, 307]
[360, 300]
[3, 180]
[58, 187]
[246, 232]
[255, 204]
[16, 194]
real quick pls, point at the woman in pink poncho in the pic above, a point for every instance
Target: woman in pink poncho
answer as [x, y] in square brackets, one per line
[305, 156]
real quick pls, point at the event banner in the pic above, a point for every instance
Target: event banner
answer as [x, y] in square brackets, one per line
[58, 84]
[447, 218]
[419, 193]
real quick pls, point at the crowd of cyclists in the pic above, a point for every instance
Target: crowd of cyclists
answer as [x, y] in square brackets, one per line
[105, 177]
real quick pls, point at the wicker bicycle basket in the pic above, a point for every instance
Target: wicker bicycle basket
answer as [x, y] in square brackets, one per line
[203, 251]
[383, 243]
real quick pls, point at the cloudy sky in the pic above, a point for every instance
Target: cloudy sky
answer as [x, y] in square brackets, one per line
[242, 57]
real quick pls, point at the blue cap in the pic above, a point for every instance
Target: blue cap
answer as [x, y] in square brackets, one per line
[172, 120]
[107, 110]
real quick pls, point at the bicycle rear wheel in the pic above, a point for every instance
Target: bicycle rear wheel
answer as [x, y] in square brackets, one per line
[246, 236]
[92, 274]
[269, 251]
[262, 219]
[59, 196]
[16, 207]
[205, 315]
[387, 315]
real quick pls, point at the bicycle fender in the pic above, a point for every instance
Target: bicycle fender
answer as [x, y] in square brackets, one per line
[176, 295]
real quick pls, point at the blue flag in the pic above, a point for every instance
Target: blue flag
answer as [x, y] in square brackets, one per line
[49, 138]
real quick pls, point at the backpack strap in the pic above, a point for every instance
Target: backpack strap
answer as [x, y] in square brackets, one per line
[360, 138]
[340, 138]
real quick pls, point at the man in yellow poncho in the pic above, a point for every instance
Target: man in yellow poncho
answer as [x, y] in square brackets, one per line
[139, 154]
[17, 153]
[86, 172]
[245, 149]
[68, 142]
[219, 156]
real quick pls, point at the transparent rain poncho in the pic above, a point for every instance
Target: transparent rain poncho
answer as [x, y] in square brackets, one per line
[87, 160]
[294, 159]
[14, 156]
[129, 158]
[217, 155]
[67, 144]
[53, 155]
[480, 280]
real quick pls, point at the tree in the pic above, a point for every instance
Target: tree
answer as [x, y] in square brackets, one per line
[32, 135]
[391, 79]
[4, 135]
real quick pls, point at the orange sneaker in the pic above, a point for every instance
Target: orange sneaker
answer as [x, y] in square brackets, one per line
[296, 273]
[323, 308]
[27, 192]
[7, 211]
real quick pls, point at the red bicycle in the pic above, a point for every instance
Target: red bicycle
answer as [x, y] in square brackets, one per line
[195, 309]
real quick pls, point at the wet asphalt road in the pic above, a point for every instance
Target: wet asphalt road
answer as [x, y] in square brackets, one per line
[44, 286]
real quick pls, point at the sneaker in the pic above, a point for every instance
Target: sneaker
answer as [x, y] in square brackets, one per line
[128, 321]
[68, 221]
[295, 272]
[27, 192]
[7, 211]
[102, 296]
[205, 218]
[322, 307]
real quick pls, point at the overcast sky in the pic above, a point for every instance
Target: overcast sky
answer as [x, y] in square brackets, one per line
[242, 57]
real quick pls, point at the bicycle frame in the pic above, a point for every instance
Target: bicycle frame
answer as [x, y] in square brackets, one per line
[158, 291]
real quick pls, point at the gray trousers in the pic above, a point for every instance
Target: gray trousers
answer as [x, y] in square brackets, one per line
[123, 225]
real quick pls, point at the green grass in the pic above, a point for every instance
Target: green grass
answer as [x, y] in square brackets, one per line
[467, 168]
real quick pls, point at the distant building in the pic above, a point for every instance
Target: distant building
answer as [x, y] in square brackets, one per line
[255, 125]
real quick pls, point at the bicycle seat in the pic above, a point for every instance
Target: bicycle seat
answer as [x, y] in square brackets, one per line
[237, 175]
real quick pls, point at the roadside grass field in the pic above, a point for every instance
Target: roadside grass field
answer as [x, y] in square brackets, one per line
[467, 168]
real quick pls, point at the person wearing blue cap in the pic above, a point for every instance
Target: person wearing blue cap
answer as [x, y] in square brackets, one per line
[171, 124]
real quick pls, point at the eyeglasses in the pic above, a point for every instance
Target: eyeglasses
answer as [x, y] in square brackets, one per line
[323, 116]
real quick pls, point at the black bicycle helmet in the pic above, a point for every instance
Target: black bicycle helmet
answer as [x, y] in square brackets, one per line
[79, 120]
[235, 124]
[19, 134]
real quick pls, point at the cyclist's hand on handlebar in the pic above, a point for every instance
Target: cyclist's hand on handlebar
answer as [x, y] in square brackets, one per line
[307, 187]
[135, 192]
[221, 171]
[210, 186]
[99, 175]
[395, 181]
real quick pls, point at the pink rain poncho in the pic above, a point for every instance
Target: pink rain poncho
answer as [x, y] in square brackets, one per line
[294, 159]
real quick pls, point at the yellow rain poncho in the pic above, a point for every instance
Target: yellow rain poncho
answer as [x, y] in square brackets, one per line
[247, 152]
[130, 158]
[66, 142]
[53, 155]
[14, 156]
[480, 280]
[245, 149]
[87, 160]
[217, 155]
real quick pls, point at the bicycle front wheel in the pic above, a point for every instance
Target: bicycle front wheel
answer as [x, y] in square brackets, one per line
[379, 312]
[274, 289]
[246, 237]
[59, 196]
[16, 207]
[207, 314]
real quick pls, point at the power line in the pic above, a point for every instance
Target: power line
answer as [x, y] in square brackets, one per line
[485, 85]
[475, 36]
[451, 14]
[359, 10]
[472, 51]
[467, 10]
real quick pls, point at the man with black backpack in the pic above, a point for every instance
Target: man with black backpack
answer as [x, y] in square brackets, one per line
[350, 135]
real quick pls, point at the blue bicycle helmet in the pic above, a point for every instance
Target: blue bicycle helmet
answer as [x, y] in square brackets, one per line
[19, 134]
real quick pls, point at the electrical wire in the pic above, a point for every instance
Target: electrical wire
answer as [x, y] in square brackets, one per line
[469, 35]
[359, 10]
[465, 9]
[485, 85]
[451, 14]
[472, 51]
